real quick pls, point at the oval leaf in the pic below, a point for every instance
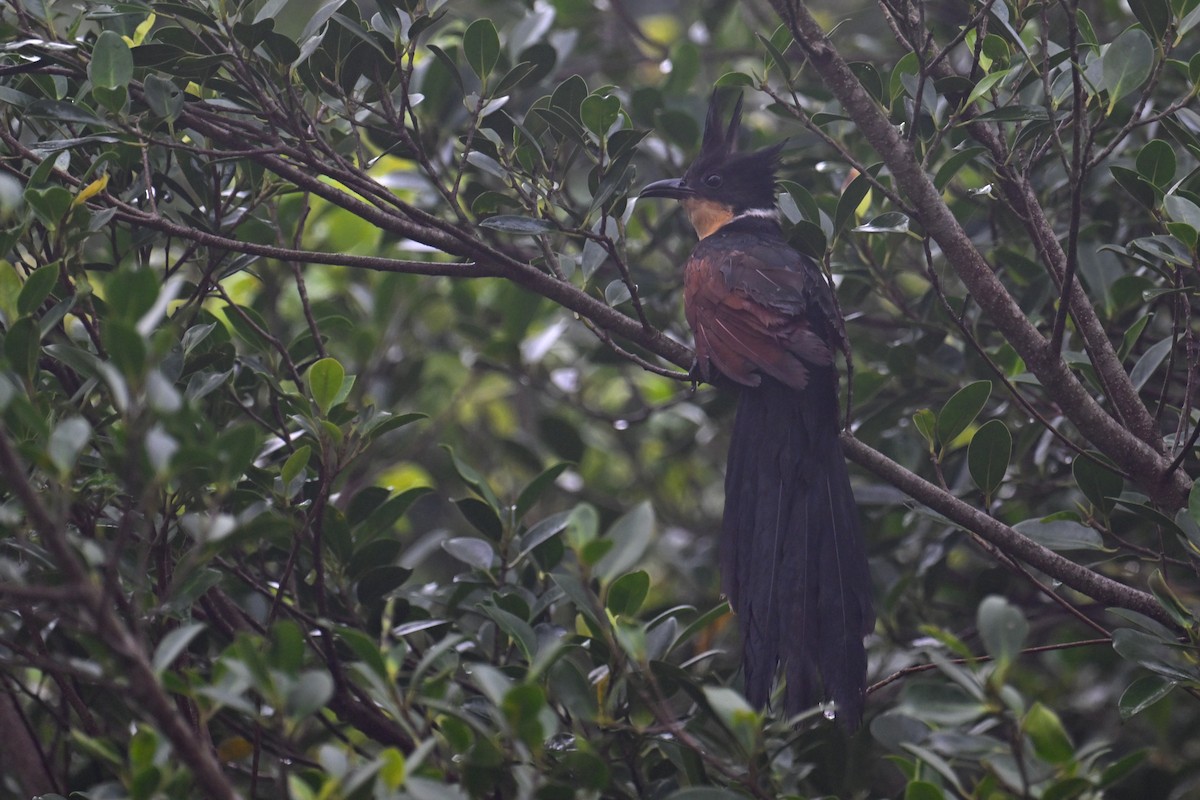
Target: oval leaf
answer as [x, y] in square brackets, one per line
[512, 223]
[37, 288]
[961, 409]
[988, 455]
[628, 592]
[112, 62]
[173, 644]
[481, 46]
[471, 551]
[325, 381]
[1126, 64]
[1156, 162]
[1002, 627]
[1099, 484]
[890, 222]
[67, 441]
[1060, 534]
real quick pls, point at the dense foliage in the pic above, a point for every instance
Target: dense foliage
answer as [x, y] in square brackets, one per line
[347, 444]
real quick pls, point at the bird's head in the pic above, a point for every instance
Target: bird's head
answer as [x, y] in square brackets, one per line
[722, 184]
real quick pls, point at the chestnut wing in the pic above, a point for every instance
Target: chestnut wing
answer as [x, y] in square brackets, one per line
[758, 308]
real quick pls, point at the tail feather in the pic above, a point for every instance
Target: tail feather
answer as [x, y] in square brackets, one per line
[792, 556]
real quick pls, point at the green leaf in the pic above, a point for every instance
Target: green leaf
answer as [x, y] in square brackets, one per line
[173, 645]
[367, 556]
[600, 113]
[164, 97]
[378, 582]
[474, 479]
[514, 627]
[522, 707]
[1149, 362]
[630, 536]
[383, 518]
[775, 47]
[988, 455]
[986, 84]
[617, 292]
[735, 79]
[1126, 64]
[111, 66]
[1194, 501]
[513, 223]
[1170, 601]
[112, 99]
[536, 488]
[1060, 534]
[514, 77]
[628, 592]
[50, 205]
[37, 288]
[1013, 113]
[481, 46]
[126, 348]
[309, 693]
[1141, 189]
[850, 200]
[1156, 162]
[1049, 737]
[1143, 693]
[1183, 210]
[1155, 16]
[961, 409]
[544, 530]
[66, 443]
[926, 423]
[1130, 337]
[803, 199]
[130, 293]
[1163, 658]
[889, 222]
[481, 516]
[448, 63]
[1123, 767]
[1099, 484]
[392, 769]
[22, 346]
[1002, 627]
[325, 381]
[295, 464]
[471, 551]
[950, 168]
[923, 790]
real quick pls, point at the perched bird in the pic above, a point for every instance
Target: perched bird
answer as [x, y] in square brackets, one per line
[792, 557]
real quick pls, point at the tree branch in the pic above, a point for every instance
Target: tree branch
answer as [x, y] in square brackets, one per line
[1129, 451]
[1078, 577]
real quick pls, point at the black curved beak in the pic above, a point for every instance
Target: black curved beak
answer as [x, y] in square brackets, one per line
[672, 188]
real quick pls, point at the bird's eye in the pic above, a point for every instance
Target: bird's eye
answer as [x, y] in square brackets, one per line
[712, 181]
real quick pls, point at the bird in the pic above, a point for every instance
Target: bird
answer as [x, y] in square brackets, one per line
[792, 555]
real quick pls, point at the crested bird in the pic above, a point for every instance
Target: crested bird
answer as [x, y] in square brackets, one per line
[792, 557]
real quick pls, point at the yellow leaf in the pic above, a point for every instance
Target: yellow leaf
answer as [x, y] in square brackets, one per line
[139, 33]
[91, 190]
[235, 748]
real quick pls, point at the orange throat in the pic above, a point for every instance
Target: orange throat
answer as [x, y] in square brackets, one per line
[705, 215]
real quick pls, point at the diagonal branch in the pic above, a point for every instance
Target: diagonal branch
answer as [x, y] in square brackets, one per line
[1011, 542]
[1131, 452]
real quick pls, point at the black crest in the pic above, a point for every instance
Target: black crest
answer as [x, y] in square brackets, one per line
[740, 180]
[720, 140]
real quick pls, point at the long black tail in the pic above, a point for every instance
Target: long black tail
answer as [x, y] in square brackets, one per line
[793, 561]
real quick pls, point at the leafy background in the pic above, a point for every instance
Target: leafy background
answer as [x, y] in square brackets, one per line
[348, 448]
